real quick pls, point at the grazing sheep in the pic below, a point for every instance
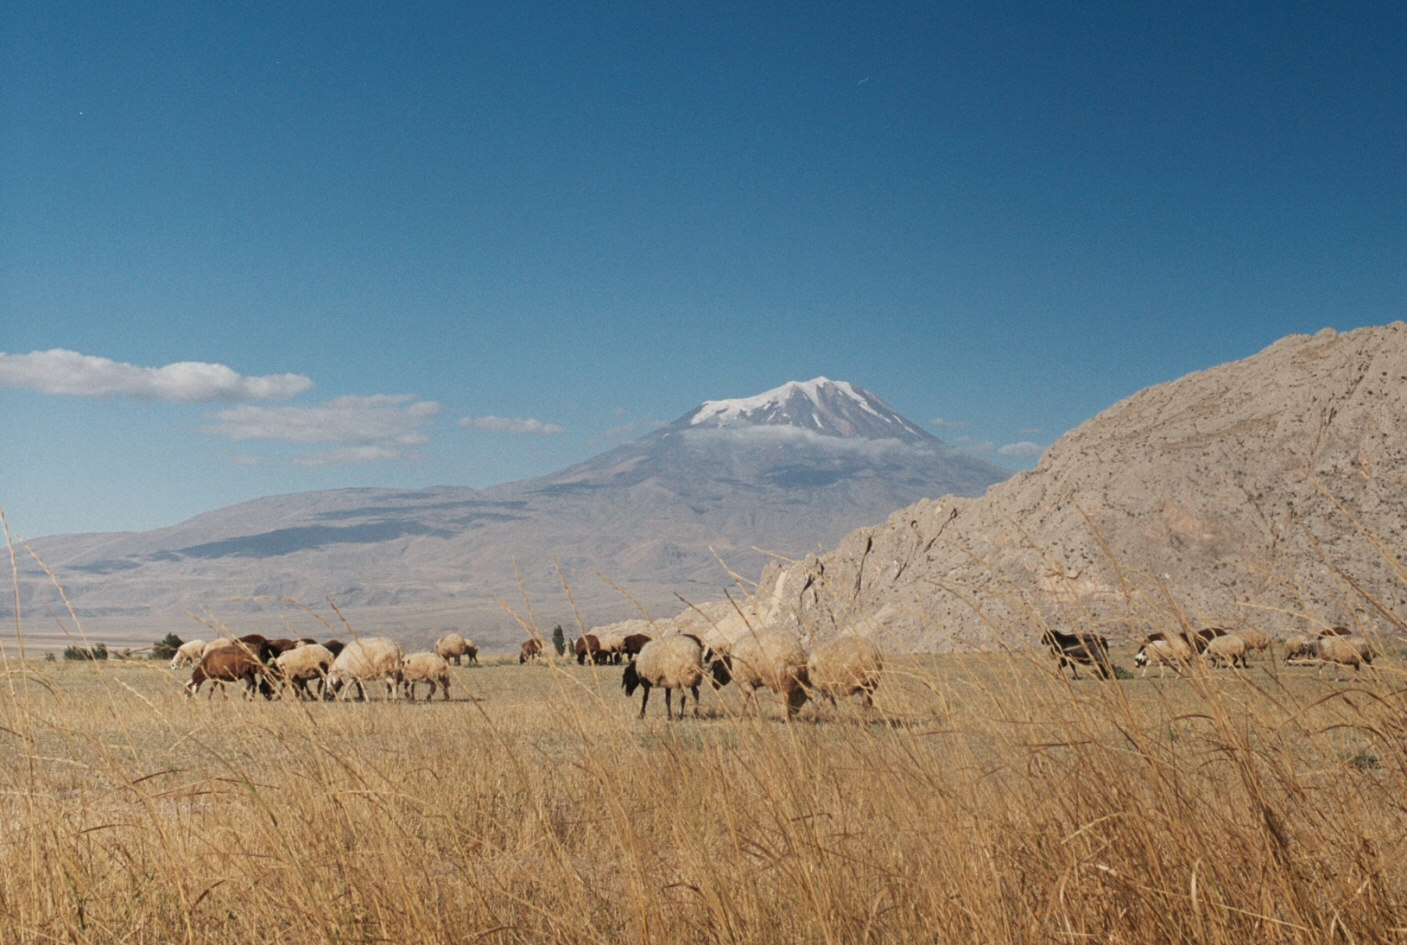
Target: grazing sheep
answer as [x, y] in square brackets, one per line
[672, 662]
[1340, 650]
[589, 648]
[770, 658]
[1229, 649]
[362, 661]
[1256, 640]
[1071, 649]
[531, 651]
[301, 665]
[635, 642]
[429, 668]
[1165, 652]
[845, 666]
[453, 648]
[1300, 648]
[189, 652]
[611, 647]
[228, 664]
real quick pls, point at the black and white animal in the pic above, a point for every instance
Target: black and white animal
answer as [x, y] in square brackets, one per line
[1073, 649]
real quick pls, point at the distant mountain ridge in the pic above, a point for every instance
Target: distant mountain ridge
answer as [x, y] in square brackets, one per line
[640, 526]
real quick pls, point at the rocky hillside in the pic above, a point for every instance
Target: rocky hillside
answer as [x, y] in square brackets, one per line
[1267, 492]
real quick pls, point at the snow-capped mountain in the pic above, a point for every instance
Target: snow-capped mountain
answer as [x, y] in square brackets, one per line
[726, 487]
[820, 405]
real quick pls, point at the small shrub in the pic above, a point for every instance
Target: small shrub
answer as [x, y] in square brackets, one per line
[166, 648]
[98, 652]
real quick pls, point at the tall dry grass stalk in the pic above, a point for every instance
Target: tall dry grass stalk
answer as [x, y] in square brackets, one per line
[990, 800]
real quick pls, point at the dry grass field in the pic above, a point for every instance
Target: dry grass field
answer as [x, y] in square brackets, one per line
[987, 799]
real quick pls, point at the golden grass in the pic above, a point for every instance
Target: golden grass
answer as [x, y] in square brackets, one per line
[992, 801]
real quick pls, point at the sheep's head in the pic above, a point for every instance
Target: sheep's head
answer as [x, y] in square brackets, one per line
[721, 672]
[631, 680]
[1140, 658]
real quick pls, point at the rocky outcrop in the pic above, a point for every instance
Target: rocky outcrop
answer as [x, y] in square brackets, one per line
[1268, 492]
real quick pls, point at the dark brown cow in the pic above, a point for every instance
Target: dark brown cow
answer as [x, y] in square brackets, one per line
[229, 664]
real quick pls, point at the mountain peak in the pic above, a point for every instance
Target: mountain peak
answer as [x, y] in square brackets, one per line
[820, 405]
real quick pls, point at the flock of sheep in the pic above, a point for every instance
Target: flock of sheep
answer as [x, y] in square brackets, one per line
[270, 666]
[763, 660]
[1218, 646]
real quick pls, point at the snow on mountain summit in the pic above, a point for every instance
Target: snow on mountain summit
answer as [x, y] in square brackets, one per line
[820, 405]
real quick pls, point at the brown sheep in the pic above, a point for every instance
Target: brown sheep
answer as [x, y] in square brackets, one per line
[228, 664]
[530, 652]
[588, 648]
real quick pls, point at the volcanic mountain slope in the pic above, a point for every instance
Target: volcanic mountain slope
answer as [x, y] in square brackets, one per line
[789, 471]
[1269, 492]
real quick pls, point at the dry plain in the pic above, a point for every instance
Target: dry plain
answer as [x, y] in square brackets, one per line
[986, 799]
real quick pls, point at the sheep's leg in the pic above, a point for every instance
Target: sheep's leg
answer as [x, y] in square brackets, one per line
[668, 708]
[644, 696]
[695, 691]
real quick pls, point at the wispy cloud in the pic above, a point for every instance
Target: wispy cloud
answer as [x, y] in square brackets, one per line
[381, 421]
[69, 373]
[942, 424]
[511, 425]
[1023, 450]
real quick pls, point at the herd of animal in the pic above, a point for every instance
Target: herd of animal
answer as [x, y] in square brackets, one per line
[772, 660]
[1217, 646]
[333, 667]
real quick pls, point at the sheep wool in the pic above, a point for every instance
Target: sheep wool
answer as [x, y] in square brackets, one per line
[845, 666]
[769, 658]
[672, 662]
[429, 668]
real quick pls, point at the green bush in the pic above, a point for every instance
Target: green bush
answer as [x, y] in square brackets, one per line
[98, 652]
[166, 648]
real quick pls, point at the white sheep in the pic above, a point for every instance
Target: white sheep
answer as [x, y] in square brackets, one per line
[189, 652]
[1229, 649]
[362, 661]
[771, 658]
[302, 664]
[1344, 651]
[1165, 652]
[1257, 640]
[671, 662]
[1301, 648]
[429, 668]
[453, 648]
[844, 666]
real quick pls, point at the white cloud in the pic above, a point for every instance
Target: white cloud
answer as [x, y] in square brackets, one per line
[1024, 450]
[381, 420]
[72, 374]
[941, 424]
[511, 425]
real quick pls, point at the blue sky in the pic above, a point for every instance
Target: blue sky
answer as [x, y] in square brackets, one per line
[469, 243]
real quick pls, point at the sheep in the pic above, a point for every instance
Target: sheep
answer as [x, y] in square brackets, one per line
[362, 661]
[334, 647]
[1165, 651]
[672, 662]
[189, 652]
[1300, 648]
[589, 648]
[1229, 649]
[1341, 650]
[1071, 649]
[1256, 640]
[429, 668]
[770, 658]
[227, 664]
[302, 664]
[611, 647]
[453, 648]
[530, 652]
[844, 666]
[635, 642]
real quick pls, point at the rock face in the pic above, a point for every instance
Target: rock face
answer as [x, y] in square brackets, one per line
[1269, 492]
[788, 471]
